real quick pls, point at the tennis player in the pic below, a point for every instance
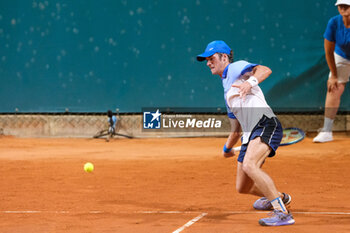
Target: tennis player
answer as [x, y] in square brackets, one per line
[262, 132]
[337, 51]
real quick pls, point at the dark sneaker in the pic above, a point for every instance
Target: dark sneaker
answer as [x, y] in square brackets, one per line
[264, 204]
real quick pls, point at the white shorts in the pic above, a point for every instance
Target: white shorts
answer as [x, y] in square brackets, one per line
[343, 68]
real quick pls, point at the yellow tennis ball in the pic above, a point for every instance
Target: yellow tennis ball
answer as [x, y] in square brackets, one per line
[88, 167]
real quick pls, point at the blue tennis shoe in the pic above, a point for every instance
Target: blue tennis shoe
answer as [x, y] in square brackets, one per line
[264, 203]
[278, 218]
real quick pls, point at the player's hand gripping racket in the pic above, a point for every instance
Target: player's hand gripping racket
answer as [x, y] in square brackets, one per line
[236, 149]
[290, 136]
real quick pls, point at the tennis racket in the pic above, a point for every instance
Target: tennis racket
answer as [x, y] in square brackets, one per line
[290, 136]
[238, 148]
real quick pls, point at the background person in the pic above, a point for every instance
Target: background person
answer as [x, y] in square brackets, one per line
[112, 121]
[337, 51]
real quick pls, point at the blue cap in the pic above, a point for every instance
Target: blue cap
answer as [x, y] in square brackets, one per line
[217, 46]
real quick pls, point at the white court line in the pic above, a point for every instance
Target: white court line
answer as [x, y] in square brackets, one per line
[293, 212]
[21, 212]
[188, 224]
[324, 213]
[159, 212]
[164, 212]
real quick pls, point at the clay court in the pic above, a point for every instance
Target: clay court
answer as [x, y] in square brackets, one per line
[163, 185]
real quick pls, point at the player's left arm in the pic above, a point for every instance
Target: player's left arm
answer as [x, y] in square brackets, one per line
[258, 75]
[232, 138]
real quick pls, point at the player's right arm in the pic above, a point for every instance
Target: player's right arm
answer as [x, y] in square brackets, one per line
[261, 72]
[258, 74]
[332, 82]
[232, 138]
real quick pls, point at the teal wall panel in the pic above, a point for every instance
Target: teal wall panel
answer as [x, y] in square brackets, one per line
[90, 56]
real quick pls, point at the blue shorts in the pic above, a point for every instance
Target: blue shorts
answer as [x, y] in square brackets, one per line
[270, 131]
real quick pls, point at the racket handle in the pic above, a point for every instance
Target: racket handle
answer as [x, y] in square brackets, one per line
[238, 148]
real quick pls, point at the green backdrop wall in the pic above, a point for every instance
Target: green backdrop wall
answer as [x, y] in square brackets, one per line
[94, 55]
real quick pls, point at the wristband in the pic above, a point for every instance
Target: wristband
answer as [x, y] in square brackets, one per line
[253, 81]
[226, 150]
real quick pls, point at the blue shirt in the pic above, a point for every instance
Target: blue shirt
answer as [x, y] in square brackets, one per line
[112, 121]
[338, 33]
[231, 73]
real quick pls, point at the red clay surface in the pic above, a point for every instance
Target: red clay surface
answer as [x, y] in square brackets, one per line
[45, 189]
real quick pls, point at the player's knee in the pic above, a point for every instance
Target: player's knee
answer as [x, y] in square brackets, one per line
[336, 92]
[248, 167]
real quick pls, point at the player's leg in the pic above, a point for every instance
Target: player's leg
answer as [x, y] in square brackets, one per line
[245, 185]
[257, 151]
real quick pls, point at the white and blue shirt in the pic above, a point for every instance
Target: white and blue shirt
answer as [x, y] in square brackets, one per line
[253, 107]
[231, 73]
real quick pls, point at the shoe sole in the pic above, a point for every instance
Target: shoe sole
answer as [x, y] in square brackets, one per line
[316, 141]
[289, 222]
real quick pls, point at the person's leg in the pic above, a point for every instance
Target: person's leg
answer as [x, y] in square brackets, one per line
[333, 101]
[331, 108]
[333, 98]
[244, 184]
[257, 152]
